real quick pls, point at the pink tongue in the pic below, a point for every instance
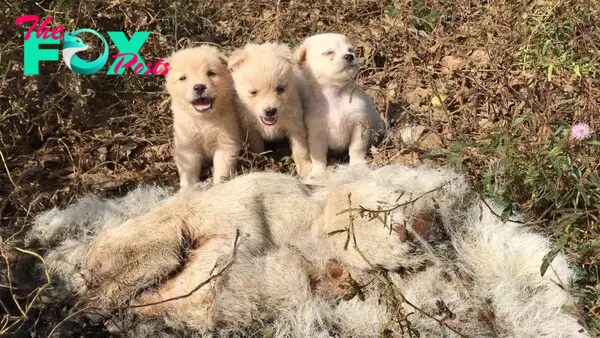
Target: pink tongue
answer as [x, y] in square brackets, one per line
[269, 120]
[202, 103]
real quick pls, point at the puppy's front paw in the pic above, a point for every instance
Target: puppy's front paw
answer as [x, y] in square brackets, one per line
[358, 160]
[304, 168]
[218, 179]
[186, 182]
[319, 178]
[318, 170]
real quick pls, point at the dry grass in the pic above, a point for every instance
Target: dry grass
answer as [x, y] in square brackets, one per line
[516, 77]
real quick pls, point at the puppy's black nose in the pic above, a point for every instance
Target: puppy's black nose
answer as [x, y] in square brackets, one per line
[349, 57]
[199, 88]
[271, 112]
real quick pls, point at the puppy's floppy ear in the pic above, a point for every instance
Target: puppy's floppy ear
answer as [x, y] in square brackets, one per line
[236, 58]
[300, 54]
[223, 58]
[283, 51]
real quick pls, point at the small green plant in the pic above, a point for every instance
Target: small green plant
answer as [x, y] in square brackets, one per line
[390, 10]
[426, 17]
[552, 41]
[557, 179]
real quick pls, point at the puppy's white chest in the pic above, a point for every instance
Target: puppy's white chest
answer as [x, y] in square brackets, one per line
[271, 133]
[340, 118]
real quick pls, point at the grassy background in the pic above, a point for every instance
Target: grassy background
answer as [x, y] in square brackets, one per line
[515, 77]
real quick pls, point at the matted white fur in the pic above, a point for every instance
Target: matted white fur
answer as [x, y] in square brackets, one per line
[301, 252]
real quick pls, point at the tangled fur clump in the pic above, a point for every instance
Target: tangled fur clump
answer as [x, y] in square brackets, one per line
[361, 252]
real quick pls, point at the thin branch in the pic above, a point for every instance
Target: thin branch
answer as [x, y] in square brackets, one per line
[391, 283]
[496, 214]
[28, 306]
[8, 171]
[199, 286]
[363, 209]
[352, 232]
[67, 318]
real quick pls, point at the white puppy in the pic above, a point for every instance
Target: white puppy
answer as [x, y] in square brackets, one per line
[206, 125]
[265, 81]
[338, 114]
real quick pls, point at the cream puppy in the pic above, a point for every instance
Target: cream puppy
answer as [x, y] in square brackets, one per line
[338, 114]
[271, 108]
[206, 125]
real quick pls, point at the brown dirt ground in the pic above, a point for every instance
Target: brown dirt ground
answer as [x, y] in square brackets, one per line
[63, 135]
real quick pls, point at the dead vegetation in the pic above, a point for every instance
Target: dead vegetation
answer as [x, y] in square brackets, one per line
[492, 88]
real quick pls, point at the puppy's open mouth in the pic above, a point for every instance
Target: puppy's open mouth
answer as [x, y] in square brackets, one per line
[202, 104]
[269, 121]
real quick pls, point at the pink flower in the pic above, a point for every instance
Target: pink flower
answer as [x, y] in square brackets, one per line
[580, 131]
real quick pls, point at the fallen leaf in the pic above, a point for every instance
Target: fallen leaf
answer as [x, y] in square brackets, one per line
[160, 152]
[484, 123]
[411, 159]
[450, 64]
[544, 132]
[411, 134]
[479, 58]
[431, 141]
[547, 260]
[436, 101]
[101, 180]
[416, 95]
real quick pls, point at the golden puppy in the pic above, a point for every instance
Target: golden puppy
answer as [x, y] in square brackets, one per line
[271, 108]
[338, 114]
[206, 125]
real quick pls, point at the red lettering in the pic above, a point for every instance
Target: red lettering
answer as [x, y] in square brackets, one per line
[132, 62]
[160, 67]
[43, 30]
[57, 30]
[138, 68]
[166, 69]
[26, 18]
[148, 71]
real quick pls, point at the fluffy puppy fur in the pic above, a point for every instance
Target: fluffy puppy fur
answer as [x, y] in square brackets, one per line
[339, 115]
[206, 126]
[266, 85]
[337, 258]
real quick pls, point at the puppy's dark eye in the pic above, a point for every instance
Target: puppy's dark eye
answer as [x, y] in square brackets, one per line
[328, 53]
[351, 50]
[211, 73]
[253, 92]
[280, 89]
[182, 78]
